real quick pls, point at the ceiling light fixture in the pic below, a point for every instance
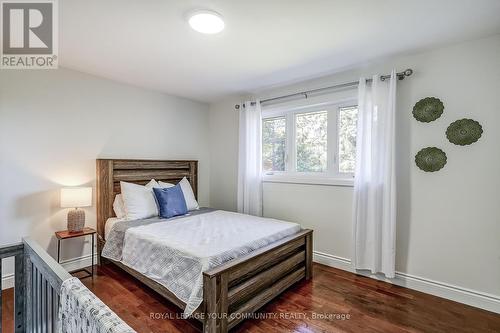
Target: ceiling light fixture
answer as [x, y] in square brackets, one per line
[206, 21]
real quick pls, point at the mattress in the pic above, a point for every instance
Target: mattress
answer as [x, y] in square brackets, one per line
[176, 252]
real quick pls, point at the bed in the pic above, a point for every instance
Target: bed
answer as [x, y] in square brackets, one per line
[232, 285]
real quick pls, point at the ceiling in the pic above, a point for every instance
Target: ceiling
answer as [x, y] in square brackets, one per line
[148, 43]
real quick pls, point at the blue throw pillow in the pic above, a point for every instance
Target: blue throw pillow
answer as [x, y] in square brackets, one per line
[170, 201]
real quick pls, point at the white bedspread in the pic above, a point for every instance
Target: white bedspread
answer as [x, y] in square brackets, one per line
[175, 253]
[109, 225]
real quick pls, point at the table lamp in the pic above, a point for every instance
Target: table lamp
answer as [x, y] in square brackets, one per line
[76, 197]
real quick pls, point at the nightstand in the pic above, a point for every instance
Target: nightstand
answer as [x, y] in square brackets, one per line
[65, 234]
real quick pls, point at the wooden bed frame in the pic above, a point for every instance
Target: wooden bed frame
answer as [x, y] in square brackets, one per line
[231, 290]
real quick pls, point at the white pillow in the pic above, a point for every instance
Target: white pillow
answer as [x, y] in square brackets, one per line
[165, 185]
[139, 201]
[119, 207]
[187, 190]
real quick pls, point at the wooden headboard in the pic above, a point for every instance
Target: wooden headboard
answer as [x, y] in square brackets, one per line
[110, 172]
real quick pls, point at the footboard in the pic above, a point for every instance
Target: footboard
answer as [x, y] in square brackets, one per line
[38, 278]
[43, 278]
[244, 285]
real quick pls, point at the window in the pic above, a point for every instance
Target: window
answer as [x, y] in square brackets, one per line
[311, 141]
[347, 139]
[273, 144]
[313, 144]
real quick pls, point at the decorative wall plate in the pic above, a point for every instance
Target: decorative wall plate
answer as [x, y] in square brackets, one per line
[430, 159]
[428, 109]
[464, 132]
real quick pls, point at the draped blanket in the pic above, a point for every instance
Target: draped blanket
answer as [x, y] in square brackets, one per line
[81, 311]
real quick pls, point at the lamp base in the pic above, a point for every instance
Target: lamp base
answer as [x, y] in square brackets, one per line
[76, 220]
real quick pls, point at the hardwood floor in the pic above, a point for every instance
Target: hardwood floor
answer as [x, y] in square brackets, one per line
[8, 310]
[362, 305]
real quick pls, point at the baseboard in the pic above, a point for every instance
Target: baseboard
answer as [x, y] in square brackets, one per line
[69, 265]
[8, 281]
[80, 262]
[455, 293]
[332, 261]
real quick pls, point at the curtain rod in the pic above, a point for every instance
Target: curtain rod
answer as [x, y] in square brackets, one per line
[400, 75]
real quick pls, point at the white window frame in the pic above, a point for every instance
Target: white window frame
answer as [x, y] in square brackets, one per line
[332, 176]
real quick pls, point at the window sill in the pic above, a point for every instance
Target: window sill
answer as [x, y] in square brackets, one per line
[325, 181]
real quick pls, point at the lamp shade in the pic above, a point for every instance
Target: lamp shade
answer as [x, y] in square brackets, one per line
[74, 197]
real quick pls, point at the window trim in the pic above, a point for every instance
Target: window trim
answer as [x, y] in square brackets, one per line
[332, 176]
[303, 179]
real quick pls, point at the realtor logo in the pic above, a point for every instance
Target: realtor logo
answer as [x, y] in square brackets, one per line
[29, 34]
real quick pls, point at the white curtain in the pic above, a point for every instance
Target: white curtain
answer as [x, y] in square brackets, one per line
[250, 159]
[375, 179]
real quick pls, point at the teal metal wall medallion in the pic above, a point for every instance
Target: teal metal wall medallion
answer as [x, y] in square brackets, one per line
[428, 109]
[464, 132]
[431, 159]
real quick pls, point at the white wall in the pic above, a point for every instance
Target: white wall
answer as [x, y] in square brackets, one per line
[449, 221]
[224, 153]
[55, 123]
